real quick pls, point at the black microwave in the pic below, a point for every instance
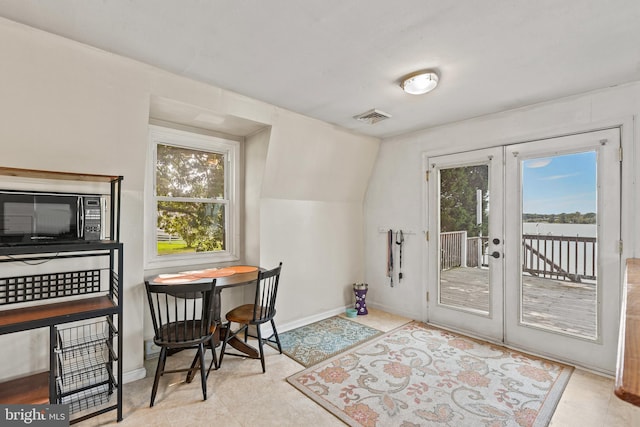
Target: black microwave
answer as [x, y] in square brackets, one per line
[40, 217]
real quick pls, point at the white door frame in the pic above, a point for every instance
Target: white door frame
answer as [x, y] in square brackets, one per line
[485, 325]
[599, 353]
[629, 200]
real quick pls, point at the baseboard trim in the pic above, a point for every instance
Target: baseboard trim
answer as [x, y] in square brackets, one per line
[136, 374]
[267, 330]
[310, 319]
[392, 310]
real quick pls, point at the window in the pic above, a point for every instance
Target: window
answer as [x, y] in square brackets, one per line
[192, 214]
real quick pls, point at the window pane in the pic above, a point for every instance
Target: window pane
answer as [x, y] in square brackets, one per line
[464, 214]
[185, 227]
[560, 244]
[181, 172]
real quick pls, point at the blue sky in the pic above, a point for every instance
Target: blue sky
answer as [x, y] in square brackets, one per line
[566, 183]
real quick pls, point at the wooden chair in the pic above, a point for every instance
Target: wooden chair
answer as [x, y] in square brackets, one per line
[262, 310]
[182, 318]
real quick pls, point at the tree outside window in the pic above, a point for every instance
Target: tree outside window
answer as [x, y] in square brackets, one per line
[190, 193]
[192, 217]
[458, 199]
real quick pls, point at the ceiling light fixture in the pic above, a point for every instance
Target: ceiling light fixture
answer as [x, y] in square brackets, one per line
[419, 82]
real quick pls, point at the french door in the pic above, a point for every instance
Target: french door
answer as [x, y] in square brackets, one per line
[465, 212]
[526, 245]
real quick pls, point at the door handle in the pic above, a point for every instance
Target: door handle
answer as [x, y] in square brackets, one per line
[495, 254]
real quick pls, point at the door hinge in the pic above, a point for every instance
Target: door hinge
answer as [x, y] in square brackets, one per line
[426, 236]
[426, 176]
[620, 246]
[620, 154]
[427, 296]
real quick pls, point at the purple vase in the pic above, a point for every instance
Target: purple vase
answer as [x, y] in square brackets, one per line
[360, 290]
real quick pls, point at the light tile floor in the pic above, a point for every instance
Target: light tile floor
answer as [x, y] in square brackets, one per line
[240, 395]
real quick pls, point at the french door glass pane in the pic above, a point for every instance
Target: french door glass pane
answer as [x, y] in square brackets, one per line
[559, 244]
[464, 265]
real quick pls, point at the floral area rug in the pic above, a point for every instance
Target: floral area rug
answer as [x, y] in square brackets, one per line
[318, 341]
[418, 375]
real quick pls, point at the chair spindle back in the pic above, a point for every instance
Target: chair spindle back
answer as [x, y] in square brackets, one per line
[181, 313]
[264, 307]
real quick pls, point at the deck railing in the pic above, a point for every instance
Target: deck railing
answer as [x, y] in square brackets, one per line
[553, 257]
[453, 249]
[570, 258]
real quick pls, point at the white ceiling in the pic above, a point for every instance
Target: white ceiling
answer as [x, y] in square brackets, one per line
[333, 59]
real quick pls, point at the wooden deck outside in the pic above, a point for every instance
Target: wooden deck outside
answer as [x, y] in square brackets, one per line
[547, 303]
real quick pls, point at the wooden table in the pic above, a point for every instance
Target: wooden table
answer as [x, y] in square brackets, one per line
[240, 278]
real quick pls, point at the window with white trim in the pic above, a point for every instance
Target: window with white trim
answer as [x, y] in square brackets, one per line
[192, 217]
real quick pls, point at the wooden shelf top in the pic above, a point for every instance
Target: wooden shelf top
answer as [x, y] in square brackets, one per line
[627, 385]
[70, 176]
[14, 320]
[32, 389]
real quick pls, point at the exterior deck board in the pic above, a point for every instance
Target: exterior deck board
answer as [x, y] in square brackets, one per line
[553, 304]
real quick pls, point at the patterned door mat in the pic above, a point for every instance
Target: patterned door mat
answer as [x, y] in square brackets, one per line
[420, 375]
[313, 343]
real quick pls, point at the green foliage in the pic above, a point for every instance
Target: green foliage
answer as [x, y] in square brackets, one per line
[199, 177]
[458, 199]
[562, 218]
[172, 247]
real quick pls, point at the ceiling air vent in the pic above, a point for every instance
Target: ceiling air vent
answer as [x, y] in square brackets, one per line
[372, 116]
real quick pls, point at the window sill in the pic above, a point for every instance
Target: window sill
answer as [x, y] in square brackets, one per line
[190, 260]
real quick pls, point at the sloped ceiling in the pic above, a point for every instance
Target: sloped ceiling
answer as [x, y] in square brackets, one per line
[334, 59]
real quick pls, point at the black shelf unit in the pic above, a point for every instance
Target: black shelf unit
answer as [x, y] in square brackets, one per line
[84, 372]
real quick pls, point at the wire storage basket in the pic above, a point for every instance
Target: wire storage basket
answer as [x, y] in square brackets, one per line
[85, 356]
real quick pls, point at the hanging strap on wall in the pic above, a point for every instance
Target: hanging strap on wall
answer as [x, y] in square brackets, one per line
[390, 256]
[399, 242]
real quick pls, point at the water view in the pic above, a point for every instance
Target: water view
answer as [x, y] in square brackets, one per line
[559, 242]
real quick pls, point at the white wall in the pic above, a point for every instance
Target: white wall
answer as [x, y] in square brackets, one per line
[70, 107]
[395, 197]
[255, 157]
[311, 214]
